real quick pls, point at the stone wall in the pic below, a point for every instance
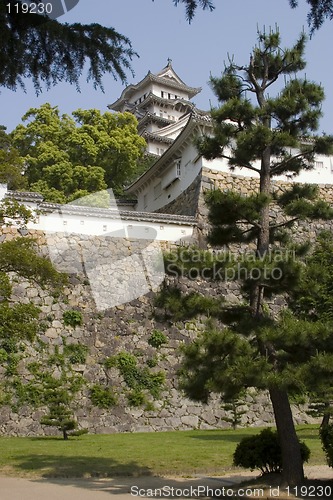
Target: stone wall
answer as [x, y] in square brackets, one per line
[108, 331]
[187, 202]
[213, 179]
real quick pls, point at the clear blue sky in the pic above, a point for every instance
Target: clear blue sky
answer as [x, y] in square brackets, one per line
[159, 30]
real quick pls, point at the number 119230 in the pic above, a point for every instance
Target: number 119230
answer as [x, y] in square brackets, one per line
[310, 491]
[29, 8]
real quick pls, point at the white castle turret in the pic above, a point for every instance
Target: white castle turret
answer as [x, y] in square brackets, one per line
[161, 103]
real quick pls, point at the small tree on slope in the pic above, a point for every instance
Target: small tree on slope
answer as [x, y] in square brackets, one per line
[270, 137]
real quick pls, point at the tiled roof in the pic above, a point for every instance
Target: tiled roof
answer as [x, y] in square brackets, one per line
[168, 82]
[158, 138]
[117, 214]
[25, 196]
[161, 100]
[150, 117]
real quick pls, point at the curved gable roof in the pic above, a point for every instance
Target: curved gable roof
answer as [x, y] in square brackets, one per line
[167, 76]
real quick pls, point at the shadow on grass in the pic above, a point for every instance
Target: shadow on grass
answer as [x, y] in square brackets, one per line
[58, 466]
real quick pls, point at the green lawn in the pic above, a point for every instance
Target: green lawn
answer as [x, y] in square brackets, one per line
[179, 453]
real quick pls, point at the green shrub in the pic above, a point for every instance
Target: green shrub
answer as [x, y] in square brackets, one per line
[326, 436]
[102, 397]
[152, 362]
[157, 339]
[138, 379]
[263, 452]
[76, 353]
[136, 398]
[72, 318]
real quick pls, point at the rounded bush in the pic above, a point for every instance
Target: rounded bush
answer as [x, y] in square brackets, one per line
[157, 339]
[72, 318]
[263, 452]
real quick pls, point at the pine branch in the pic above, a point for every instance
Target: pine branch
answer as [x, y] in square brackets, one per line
[51, 52]
[283, 165]
[241, 164]
[284, 224]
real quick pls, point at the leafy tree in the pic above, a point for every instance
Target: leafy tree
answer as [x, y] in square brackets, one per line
[19, 322]
[67, 158]
[20, 256]
[269, 136]
[11, 165]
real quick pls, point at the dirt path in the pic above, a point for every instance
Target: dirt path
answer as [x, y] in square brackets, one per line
[128, 488]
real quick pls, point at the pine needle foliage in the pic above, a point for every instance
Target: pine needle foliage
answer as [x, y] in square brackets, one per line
[51, 52]
[320, 10]
[192, 5]
[179, 306]
[312, 299]
[267, 135]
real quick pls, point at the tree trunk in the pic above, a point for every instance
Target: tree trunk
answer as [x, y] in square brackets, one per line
[292, 465]
[326, 418]
[65, 435]
[257, 292]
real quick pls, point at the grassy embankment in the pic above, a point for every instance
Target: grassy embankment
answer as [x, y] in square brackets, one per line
[159, 453]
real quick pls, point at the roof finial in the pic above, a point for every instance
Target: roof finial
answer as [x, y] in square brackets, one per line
[169, 61]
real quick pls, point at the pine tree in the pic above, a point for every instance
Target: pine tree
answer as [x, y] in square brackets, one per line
[50, 52]
[234, 411]
[47, 52]
[59, 394]
[269, 136]
[312, 299]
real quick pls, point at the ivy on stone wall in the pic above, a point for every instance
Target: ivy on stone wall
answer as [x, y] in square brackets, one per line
[157, 339]
[141, 381]
[76, 353]
[102, 397]
[72, 318]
